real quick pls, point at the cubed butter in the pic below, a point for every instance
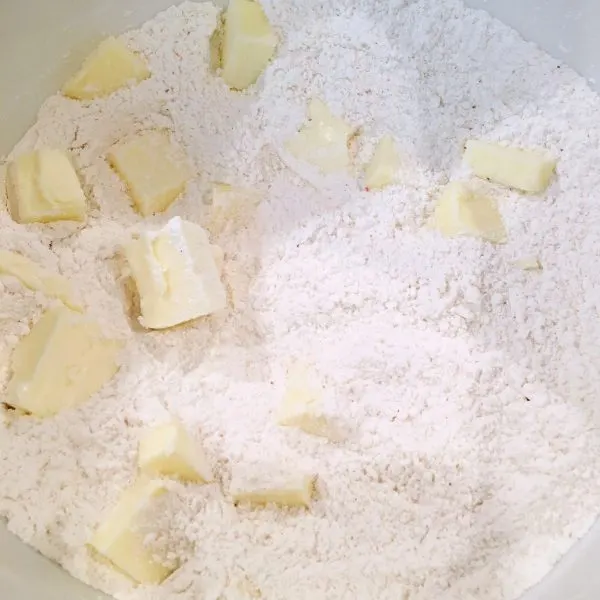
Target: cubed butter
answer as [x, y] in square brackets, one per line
[247, 43]
[110, 67]
[530, 263]
[170, 451]
[42, 186]
[176, 275]
[384, 165]
[460, 211]
[324, 141]
[60, 363]
[302, 405]
[265, 484]
[154, 169]
[526, 170]
[119, 539]
[34, 277]
[232, 206]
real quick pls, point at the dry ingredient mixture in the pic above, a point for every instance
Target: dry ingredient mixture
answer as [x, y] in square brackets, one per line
[467, 385]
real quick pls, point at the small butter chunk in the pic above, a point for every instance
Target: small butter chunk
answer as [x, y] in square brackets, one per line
[120, 540]
[42, 186]
[176, 275]
[302, 405]
[531, 263]
[60, 363]
[265, 484]
[169, 450]
[154, 169]
[231, 206]
[247, 43]
[526, 170]
[32, 276]
[324, 141]
[384, 165]
[110, 67]
[460, 211]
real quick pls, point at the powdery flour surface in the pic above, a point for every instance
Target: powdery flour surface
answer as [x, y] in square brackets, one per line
[467, 387]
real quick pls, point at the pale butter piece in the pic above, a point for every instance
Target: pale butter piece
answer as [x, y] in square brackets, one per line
[530, 263]
[119, 540]
[265, 484]
[176, 274]
[110, 67]
[384, 165]
[460, 212]
[153, 167]
[42, 186]
[324, 141]
[247, 44]
[169, 450]
[32, 276]
[60, 363]
[302, 405]
[231, 206]
[525, 170]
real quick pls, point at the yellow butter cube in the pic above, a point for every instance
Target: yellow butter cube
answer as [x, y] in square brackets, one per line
[110, 67]
[60, 363]
[324, 141]
[119, 539]
[32, 276]
[42, 186]
[231, 206]
[247, 43]
[525, 170]
[169, 450]
[154, 169]
[531, 263]
[176, 275]
[384, 165]
[462, 212]
[266, 484]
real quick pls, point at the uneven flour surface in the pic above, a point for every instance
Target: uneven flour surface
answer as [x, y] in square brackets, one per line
[467, 387]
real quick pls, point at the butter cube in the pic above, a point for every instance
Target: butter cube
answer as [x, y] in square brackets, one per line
[531, 263]
[169, 450]
[231, 206]
[462, 212]
[110, 67]
[176, 275]
[60, 363]
[32, 276]
[324, 141]
[120, 540]
[154, 169]
[525, 170]
[42, 186]
[266, 484]
[384, 165]
[247, 44]
[302, 405]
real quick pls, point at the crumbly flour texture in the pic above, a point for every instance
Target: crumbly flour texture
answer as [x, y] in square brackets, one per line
[466, 385]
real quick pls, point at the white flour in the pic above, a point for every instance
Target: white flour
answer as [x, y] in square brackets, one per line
[468, 386]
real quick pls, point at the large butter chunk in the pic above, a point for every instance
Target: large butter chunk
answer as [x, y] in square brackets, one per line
[384, 165]
[324, 141]
[176, 275]
[265, 484]
[525, 170]
[32, 276]
[110, 67]
[170, 451]
[460, 212]
[42, 186]
[119, 539]
[302, 405]
[60, 363]
[247, 43]
[154, 169]
[231, 206]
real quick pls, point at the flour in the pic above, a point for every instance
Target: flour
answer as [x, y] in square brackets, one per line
[467, 386]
